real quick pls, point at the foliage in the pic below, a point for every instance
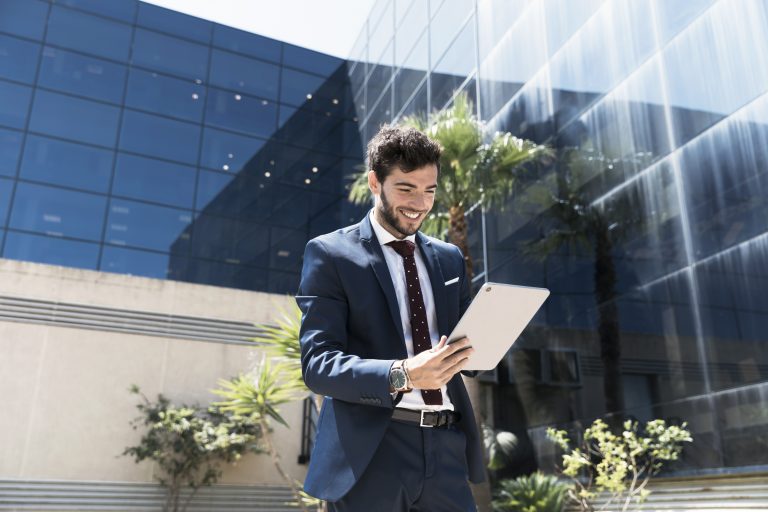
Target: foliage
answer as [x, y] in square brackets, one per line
[532, 493]
[190, 443]
[281, 341]
[619, 465]
[499, 446]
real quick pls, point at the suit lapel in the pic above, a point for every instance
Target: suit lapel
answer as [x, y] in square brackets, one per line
[436, 279]
[379, 265]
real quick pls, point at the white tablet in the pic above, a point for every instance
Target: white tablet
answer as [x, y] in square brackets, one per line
[495, 319]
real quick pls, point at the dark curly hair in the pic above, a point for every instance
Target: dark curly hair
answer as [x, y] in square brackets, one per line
[406, 148]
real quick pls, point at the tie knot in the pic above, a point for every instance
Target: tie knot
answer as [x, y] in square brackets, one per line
[403, 247]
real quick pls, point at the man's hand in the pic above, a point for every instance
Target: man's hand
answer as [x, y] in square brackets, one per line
[433, 368]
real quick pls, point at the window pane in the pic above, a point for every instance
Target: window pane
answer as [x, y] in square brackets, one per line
[15, 104]
[154, 180]
[166, 53]
[243, 113]
[66, 163]
[297, 87]
[230, 240]
[245, 42]
[308, 60]
[87, 76]
[10, 147]
[24, 18]
[209, 186]
[58, 212]
[165, 95]
[6, 187]
[227, 151]
[73, 118]
[120, 10]
[18, 59]
[172, 22]
[243, 74]
[51, 250]
[135, 262]
[89, 34]
[150, 227]
[160, 137]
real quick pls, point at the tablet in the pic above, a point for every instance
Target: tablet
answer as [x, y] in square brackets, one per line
[495, 319]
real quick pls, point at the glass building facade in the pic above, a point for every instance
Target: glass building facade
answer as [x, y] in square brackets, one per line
[657, 114]
[138, 140]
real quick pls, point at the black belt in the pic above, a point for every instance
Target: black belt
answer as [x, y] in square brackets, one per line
[430, 419]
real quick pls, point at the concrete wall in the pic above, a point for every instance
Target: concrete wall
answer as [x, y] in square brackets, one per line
[65, 406]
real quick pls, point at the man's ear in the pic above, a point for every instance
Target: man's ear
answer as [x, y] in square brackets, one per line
[373, 183]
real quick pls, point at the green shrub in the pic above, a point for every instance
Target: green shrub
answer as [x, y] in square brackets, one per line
[533, 493]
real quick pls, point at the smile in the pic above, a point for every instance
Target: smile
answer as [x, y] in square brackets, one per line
[410, 215]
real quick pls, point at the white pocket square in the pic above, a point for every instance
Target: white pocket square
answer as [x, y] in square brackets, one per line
[454, 280]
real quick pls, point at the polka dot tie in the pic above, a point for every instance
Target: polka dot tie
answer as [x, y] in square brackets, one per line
[419, 325]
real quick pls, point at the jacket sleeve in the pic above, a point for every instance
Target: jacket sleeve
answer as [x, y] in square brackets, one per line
[466, 299]
[327, 367]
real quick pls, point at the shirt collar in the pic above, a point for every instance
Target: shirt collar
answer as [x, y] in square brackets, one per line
[384, 236]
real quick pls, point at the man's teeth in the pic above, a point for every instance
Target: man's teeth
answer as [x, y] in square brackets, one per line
[410, 215]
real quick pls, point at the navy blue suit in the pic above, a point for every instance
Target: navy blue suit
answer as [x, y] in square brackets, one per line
[351, 333]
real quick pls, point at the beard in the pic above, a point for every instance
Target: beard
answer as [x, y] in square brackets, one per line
[389, 215]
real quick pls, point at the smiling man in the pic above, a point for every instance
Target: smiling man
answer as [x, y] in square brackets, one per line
[396, 431]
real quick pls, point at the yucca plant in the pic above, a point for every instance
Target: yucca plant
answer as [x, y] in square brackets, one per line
[536, 492]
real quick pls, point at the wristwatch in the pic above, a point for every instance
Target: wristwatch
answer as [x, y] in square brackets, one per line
[398, 377]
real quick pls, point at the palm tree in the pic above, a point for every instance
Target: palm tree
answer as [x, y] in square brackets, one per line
[472, 172]
[573, 222]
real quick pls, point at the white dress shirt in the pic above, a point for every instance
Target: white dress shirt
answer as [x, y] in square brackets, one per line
[412, 400]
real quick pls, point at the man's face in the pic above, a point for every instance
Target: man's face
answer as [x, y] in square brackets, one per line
[404, 200]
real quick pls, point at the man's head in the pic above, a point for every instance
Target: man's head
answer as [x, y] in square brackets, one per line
[404, 167]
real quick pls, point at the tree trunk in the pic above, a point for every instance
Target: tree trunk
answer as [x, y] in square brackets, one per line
[457, 233]
[608, 322]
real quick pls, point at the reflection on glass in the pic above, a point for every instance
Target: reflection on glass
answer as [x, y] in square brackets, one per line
[224, 151]
[66, 163]
[159, 137]
[85, 76]
[239, 73]
[57, 212]
[10, 147]
[123, 11]
[15, 104]
[162, 94]
[239, 41]
[88, 34]
[135, 262]
[239, 112]
[146, 226]
[73, 118]
[175, 23]
[169, 54]
[24, 18]
[154, 180]
[18, 59]
[50, 250]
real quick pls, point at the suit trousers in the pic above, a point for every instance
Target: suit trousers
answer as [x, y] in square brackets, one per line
[414, 469]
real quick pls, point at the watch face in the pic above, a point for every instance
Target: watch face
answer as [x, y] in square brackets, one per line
[397, 378]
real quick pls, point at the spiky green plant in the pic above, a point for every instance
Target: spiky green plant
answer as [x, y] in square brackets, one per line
[536, 492]
[281, 341]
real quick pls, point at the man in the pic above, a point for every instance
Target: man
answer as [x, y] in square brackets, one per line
[396, 432]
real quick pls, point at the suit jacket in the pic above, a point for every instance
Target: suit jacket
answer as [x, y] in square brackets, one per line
[351, 334]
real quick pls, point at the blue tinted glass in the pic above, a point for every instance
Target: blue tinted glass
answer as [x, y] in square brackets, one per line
[14, 105]
[160, 137]
[297, 88]
[243, 113]
[89, 34]
[123, 10]
[154, 180]
[51, 250]
[134, 262]
[150, 227]
[58, 212]
[6, 187]
[23, 17]
[87, 76]
[309, 60]
[227, 151]
[166, 53]
[230, 240]
[66, 163]
[18, 59]
[243, 74]
[245, 42]
[172, 22]
[224, 274]
[209, 186]
[165, 95]
[73, 118]
[10, 147]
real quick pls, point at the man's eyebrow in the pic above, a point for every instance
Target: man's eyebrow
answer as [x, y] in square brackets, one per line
[411, 185]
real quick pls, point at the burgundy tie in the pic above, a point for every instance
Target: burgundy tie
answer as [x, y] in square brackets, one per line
[419, 325]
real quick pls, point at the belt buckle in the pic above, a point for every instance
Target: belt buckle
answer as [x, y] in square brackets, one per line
[421, 421]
